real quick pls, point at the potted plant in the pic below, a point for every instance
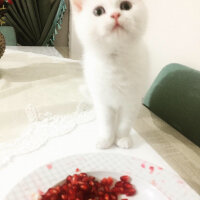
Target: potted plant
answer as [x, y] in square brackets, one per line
[7, 31]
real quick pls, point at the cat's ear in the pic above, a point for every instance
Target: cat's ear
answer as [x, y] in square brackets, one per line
[77, 4]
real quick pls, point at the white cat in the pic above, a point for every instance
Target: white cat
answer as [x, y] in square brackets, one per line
[110, 32]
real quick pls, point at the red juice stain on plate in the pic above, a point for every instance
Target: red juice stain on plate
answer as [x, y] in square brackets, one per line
[151, 168]
[143, 165]
[49, 166]
[78, 170]
[40, 192]
[180, 182]
[153, 182]
[160, 168]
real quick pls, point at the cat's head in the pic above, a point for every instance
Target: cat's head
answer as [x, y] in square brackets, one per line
[109, 21]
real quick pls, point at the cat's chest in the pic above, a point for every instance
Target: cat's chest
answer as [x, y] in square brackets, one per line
[111, 78]
[110, 70]
[115, 71]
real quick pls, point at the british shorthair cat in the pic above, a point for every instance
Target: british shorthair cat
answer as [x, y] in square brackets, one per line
[111, 33]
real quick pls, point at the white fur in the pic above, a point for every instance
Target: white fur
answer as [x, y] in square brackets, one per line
[113, 65]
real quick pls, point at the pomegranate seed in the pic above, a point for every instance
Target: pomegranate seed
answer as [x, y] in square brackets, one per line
[91, 183]
[64, 197]
[101, 193]
[69, 178]
[74, 179]
[128, 185]
[81, 187]
[84, 187]
[65, 187]
[119, 184]
[130, 192]
[85, 179]
[104, 181]
[69, 185]
[106, 197]
[83, 174]
[113, 197]
[125, 178]
[109, 181]
[53, 191]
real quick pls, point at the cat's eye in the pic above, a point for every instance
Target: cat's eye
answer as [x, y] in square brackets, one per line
[125, 5]
[98, 11]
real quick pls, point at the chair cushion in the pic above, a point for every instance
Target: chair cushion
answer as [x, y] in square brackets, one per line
[175, 97]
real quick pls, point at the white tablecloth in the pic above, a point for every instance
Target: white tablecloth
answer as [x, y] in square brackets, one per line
[39, 95]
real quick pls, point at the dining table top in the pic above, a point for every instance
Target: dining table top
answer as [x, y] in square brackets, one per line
[168, 147]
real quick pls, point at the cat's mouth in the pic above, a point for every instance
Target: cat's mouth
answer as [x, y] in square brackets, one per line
[117, 26]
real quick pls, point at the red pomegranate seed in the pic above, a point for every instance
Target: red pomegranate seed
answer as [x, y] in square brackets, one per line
[130, 192]
[84, 187]
[83, 174]
[128, 185]
[64, 197]
[109, 181]
[107, 188]
[104, 181]
[125, 178]
[106, 197]
[69, 178]
[119, 184]
[113, 197]
[91, 183]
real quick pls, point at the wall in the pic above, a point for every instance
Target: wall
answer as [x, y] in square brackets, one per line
[173, 34]
[62, 36]
[75, 47]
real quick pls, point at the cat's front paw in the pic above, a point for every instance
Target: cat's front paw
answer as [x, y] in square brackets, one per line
[104, 142]
[124, 142]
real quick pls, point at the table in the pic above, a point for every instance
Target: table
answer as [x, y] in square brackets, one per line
[167, 147]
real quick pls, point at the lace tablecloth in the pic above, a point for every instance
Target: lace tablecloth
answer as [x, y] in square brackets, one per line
[40, 100]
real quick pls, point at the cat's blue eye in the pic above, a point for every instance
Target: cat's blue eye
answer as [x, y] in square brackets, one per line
[125, 5]
[98, 11]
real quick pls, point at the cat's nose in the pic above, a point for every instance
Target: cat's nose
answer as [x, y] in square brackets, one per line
[116, 15]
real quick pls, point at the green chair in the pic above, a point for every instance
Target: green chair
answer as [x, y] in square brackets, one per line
[175, 97]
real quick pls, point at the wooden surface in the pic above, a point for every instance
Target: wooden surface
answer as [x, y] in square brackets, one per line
[179, 152]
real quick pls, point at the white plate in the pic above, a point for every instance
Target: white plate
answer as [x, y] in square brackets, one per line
[144, 189]
[151, 182]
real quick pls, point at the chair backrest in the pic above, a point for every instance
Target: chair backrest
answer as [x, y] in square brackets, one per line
[175, 97]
